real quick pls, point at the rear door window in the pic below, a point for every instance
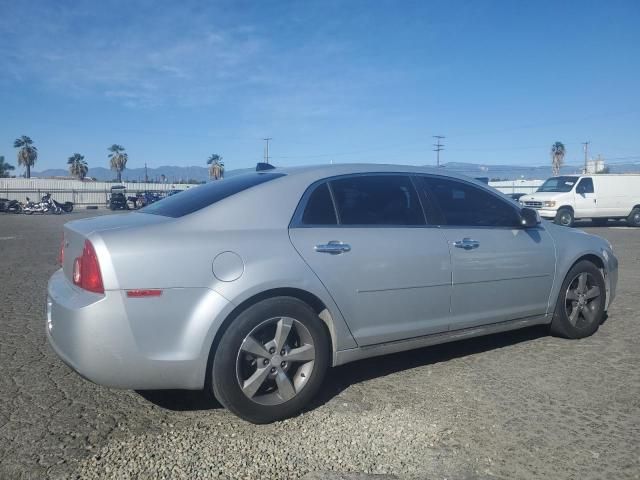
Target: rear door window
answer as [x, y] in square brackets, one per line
[197, 198]
[377, 200]
[319, 209]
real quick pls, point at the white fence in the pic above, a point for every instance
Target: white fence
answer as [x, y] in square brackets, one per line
[76, 191]
[517, 186]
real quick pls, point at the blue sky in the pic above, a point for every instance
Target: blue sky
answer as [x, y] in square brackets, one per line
[329, 80]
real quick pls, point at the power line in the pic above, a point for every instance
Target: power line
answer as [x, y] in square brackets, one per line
[586, 153]
[439, 147]
[266, 149]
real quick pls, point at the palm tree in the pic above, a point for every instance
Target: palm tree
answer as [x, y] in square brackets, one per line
[28, 153]
[118, 159]
[557, 157]
[5, 167]
[77, 166]
[216, 171]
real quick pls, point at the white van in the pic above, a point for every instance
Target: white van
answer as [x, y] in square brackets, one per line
[598, 197]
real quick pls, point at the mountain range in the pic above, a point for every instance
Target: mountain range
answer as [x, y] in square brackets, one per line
[175, 174]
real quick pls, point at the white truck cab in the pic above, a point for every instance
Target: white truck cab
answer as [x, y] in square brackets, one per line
[598, 197]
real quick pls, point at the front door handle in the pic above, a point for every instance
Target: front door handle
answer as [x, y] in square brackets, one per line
[466, 243]
[334, 247]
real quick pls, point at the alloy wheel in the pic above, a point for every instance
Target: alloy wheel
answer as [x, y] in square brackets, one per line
[275, 361]
[583, 300]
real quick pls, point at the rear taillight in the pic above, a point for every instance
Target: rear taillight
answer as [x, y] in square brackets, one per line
[61, 253]
[86, 270]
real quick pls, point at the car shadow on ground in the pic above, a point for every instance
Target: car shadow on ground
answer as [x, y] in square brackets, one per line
[340, 378]
[180, 400]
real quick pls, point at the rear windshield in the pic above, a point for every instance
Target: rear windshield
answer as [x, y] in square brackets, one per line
[196, 198]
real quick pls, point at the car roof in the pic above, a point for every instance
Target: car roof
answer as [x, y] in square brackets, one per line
[323, 171]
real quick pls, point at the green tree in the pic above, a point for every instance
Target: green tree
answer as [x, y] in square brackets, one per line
[118, 159]
[77, 166]
[5, 167]
[558, 152]
[216, 169]
[28, 153]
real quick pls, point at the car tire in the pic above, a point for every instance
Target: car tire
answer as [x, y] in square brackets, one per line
[271, 360]
[634, 218]
[564, 217]
[580, 307]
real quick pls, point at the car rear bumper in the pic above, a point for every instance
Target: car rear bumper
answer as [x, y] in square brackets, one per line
[136, 343]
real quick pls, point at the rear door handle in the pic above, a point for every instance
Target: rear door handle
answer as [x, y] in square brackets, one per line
[466, 243]
[334, 247]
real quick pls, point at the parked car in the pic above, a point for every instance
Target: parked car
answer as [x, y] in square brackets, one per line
[598, 197]
[515, 196]
[118, 198]
[253, 286]
[142, 199]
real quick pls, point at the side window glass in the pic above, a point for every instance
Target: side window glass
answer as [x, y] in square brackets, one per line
[585, 186]
[319, 209]
[467, 205]
[377, 200]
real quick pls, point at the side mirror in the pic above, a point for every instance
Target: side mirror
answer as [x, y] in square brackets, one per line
[529, 218]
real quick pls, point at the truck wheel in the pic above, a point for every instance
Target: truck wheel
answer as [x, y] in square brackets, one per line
[634, 218]
[564, 217]
[271, 361]
[580, 306]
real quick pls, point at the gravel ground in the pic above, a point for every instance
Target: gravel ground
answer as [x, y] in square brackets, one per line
[514, 405]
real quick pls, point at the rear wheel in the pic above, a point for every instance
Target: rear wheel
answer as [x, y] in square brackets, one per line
[271, 360]
[564, 217]
[580, 307]
[634, 218]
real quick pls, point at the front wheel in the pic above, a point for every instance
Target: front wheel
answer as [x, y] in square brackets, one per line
[634, 218]
[564, 217]
[271, 360]
[580, 306]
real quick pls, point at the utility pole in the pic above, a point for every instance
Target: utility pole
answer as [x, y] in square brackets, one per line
[439, 147]
[146, 177]
[266, 149]
[586, 154]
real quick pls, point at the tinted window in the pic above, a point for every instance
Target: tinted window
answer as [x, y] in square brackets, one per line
[377, 200]
[319, 209]
[465, 204]
[585, 186]
[197, 198]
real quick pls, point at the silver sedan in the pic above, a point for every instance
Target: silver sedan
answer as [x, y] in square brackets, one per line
[253, 286]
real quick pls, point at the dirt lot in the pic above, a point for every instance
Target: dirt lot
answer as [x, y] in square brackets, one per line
[516, 405]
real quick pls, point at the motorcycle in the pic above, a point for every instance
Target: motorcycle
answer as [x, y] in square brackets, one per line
[46, 205]
[66, 207]
[11, 206]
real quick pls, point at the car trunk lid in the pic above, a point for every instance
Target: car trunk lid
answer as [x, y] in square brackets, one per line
[77, 231]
